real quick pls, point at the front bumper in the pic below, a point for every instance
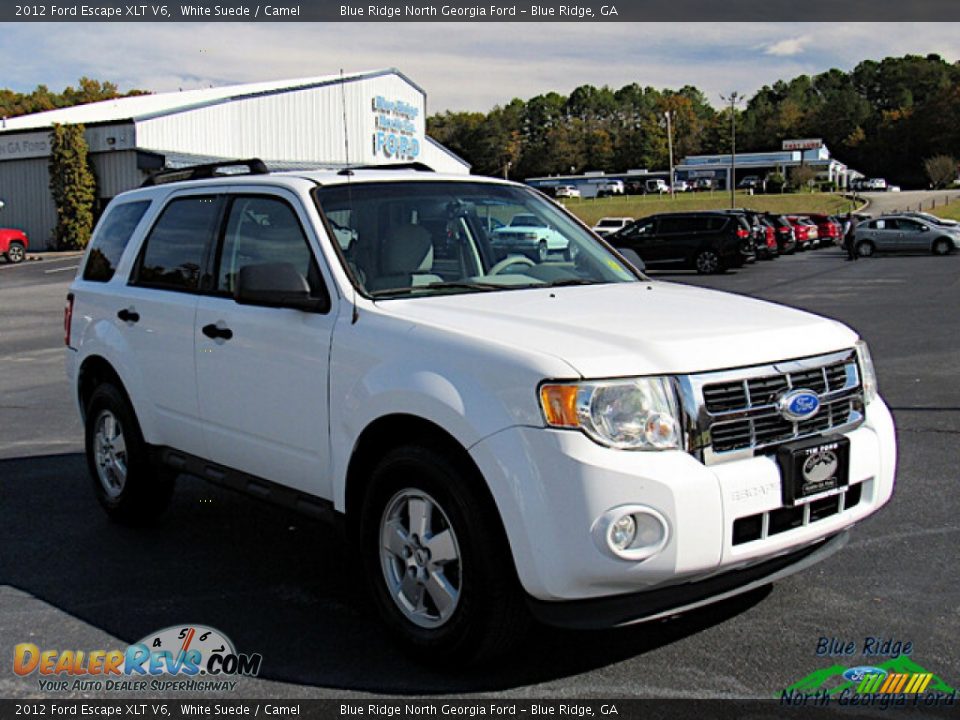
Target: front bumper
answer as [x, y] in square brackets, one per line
[618, 610]
[552, 486]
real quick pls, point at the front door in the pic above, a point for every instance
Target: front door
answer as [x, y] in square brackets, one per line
[263, 371]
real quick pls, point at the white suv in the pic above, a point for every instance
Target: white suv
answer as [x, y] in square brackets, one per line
[505, 436]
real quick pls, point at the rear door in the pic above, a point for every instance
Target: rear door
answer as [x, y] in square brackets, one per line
[677, 239]
[158, 311]
[263, 371]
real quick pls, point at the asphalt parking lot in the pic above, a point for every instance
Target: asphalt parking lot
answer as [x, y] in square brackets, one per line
[284, 587]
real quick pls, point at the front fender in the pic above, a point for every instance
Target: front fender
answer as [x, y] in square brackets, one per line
[384, 366]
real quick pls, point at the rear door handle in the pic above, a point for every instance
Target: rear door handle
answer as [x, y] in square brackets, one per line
[129, 315]
[213, 332]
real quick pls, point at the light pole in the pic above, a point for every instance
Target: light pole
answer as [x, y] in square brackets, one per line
[670, 148]
[734, 99]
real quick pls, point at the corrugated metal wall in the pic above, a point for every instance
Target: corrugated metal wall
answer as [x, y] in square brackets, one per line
[302, 125]
[25, 188]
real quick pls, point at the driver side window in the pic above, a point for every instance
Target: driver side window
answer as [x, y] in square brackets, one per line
[263, 230]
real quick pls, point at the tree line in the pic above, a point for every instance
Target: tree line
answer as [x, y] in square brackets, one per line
[41, 98]
[885, 118]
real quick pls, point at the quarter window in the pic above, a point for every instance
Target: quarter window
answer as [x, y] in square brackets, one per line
[111, 240]
[174, 252]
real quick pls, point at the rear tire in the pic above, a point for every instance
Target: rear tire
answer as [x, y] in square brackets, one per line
[129, 488]
[708, 262]
[436, 561]
[865, 249]
[16, 253]
[942, 246]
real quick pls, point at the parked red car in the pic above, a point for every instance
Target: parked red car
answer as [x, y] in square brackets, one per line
[829, 231]
[13, 244]
[805, 231]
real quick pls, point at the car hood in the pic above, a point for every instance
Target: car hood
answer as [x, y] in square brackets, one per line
[631, 328]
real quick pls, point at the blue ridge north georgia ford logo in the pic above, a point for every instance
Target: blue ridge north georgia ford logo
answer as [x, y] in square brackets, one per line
[799, 404]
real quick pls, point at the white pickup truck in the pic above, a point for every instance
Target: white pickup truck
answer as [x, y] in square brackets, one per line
[505, 436]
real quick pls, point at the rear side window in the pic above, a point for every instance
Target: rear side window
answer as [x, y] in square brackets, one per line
[173, 254]
[669, 225]
[113, 235]
[716, 223]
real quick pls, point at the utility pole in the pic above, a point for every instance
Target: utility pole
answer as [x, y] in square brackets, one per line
[734, 99]
[670, 147]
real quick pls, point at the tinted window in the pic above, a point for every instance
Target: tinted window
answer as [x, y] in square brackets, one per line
[263, 230]
[908, 225]
[111, 239]
[670, 225]
[174, 250]
[715, 223]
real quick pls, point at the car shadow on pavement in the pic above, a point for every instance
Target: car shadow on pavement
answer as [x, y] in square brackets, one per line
[272, 581]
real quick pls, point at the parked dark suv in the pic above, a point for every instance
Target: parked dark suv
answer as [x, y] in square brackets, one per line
[706, 242]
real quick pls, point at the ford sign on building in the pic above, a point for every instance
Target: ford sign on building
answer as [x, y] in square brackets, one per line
[370, 118]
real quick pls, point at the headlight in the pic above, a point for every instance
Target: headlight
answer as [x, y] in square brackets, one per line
[634, 414]
[869, 378]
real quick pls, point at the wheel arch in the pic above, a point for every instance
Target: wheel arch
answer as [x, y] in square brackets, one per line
[95, 370]
[391, 431]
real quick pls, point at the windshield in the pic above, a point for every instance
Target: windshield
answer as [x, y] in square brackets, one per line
[403, 239]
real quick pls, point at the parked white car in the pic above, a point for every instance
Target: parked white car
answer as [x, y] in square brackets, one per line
[529, 235]
[610, 187]
[680, 186]
[608, 225]
[503, 437]
[566, 191]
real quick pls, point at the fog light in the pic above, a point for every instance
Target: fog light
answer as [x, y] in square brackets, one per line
[631, 532]
[623, 532]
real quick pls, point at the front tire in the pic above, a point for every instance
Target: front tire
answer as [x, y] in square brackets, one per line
[942, 246]
[16, 253]
[128, 487]
[436, 561]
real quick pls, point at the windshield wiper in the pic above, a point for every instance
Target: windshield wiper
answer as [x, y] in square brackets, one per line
[573, 281]
[438, 286]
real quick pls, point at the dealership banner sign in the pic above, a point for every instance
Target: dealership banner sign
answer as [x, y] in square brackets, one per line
[475, 11]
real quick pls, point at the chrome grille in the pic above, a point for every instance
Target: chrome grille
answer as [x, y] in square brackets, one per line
[734, 413]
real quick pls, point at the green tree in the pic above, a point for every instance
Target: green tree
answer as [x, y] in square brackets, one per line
[73, 186]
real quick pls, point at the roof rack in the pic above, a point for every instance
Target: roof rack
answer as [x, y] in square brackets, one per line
[254, 166]
[419, 166]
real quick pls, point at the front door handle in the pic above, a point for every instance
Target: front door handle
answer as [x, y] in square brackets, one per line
[213, 332]
[129, 315]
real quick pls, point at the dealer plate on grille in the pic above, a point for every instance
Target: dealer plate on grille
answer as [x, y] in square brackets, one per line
[813, 469]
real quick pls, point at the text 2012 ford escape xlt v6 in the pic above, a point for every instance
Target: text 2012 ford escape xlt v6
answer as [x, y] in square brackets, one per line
[506, 435]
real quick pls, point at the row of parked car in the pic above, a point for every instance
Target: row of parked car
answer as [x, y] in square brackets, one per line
[716, 240]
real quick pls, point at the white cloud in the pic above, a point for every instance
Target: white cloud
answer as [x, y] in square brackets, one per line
[788, 46]
[462, 66]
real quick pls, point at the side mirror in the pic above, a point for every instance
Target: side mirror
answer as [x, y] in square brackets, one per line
[924, 228]
[633, 258]
[276, 285]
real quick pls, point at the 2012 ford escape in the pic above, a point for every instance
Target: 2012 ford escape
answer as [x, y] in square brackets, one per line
[506, 436]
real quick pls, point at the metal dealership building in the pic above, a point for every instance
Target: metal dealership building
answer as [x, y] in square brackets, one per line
[370, 118]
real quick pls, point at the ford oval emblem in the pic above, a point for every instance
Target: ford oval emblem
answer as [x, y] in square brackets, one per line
[799, 404]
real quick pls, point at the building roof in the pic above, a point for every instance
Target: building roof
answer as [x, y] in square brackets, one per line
[142, 107]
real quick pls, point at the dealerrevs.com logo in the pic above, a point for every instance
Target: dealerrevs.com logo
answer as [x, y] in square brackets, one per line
[177, 658]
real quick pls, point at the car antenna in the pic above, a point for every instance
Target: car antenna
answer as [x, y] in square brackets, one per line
[355, 315]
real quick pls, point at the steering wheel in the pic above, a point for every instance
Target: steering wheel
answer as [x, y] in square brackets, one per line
[508, 261]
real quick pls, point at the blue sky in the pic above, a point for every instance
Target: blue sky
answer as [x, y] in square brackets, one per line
[462, 66]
